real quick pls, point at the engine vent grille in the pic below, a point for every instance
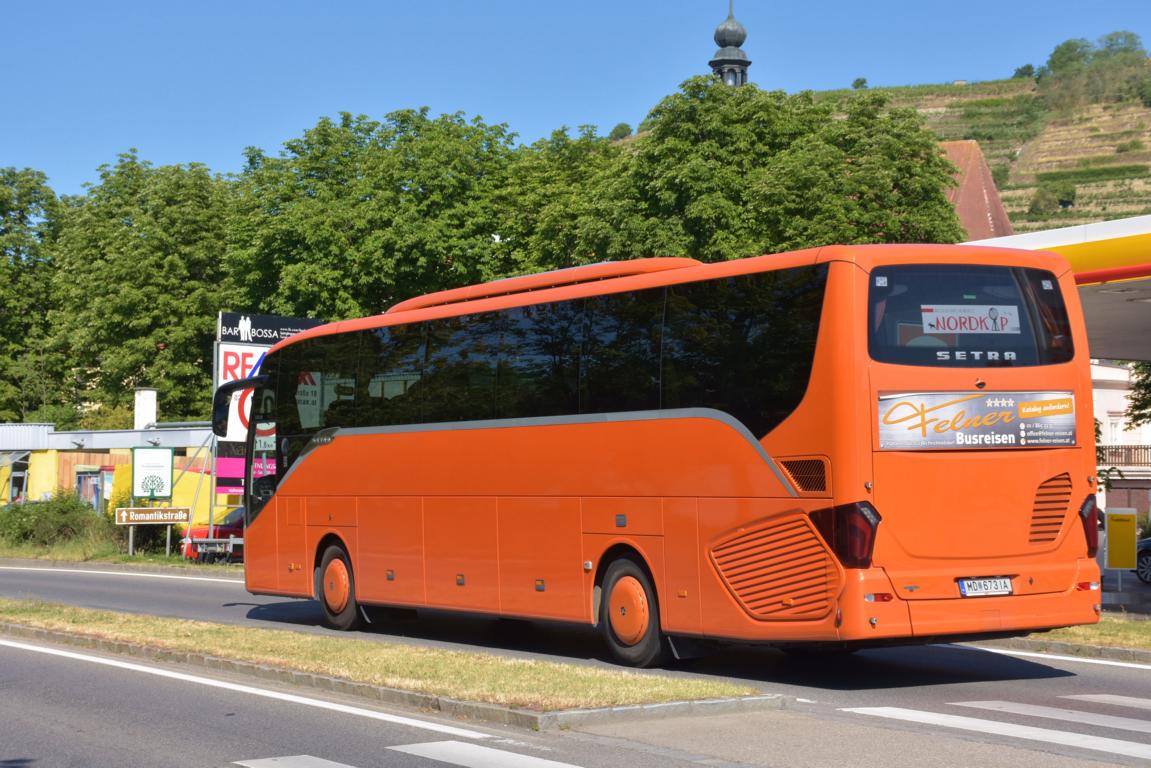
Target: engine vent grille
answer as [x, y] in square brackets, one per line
[1050, 510]
[778, 570]
[808, 473]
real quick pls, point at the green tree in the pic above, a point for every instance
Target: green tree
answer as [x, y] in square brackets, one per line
[730, 172]
[1118, 44]
[621, 131]
[552, 211]
[859, 83]
[356, 215]
[29, 223]
[1026, 72]
[1044, 202]
[1068, 56]
[1139, 407]
[1078, 72]
[874, 176]
[140, 281]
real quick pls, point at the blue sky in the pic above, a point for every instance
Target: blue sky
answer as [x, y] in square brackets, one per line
[198, 82]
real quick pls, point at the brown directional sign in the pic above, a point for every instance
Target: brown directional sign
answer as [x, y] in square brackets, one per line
[152, 515]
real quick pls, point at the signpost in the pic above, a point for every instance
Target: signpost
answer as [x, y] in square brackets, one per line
[133, 516]
[152, 515]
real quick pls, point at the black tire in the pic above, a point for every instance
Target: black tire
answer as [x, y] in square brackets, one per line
[1143, 567]
[646, 645]
[337, 597]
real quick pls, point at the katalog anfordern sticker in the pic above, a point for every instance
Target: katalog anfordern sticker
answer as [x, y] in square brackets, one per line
[965, 420]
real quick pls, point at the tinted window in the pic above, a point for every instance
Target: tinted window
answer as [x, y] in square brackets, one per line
[459, 377]
[743, 345]
[967, 316]
[620, 363]
[316, 389]
[391, 366]
[539, 361]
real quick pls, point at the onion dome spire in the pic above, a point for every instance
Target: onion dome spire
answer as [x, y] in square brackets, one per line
[729, 62]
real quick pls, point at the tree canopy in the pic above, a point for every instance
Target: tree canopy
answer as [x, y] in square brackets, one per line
[139, 281]
[119, 287]
[29, 222]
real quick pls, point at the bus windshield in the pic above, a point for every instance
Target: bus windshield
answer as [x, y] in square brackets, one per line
[962, 315]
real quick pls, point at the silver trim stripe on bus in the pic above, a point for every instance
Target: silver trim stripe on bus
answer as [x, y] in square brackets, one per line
[550, 421]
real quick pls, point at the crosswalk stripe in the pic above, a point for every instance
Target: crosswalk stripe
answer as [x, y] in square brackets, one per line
[1057, 713]
[294, 761]
[1119, 701]
[993, 727]
[475, 756]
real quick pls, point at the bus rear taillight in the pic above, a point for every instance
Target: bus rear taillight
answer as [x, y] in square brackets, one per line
[1089, 514]
[849, 530]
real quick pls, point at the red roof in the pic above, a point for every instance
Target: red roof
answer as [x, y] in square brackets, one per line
[976, 199]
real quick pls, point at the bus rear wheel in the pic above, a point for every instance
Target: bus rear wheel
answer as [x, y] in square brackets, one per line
[336, 589]
[629, 615]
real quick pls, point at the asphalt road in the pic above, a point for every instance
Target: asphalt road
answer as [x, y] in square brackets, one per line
[74, 710]
[1030, 708]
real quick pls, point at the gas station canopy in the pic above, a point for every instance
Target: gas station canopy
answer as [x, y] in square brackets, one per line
[1112, 265]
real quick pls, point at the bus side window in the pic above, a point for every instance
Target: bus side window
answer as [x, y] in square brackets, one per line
[539, 361]
[620, 362]
[460, 374]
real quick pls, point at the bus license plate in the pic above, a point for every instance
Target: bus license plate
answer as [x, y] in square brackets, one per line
[984, 587]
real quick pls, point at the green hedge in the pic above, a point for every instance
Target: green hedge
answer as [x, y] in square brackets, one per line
[1095, 174]
[64, 517]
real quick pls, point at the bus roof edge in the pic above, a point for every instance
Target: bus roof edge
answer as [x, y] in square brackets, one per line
[525, 283]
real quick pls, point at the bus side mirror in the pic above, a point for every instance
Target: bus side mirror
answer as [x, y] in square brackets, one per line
[222, 401]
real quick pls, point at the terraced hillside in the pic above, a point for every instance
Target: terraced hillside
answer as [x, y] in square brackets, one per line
[1103, 150]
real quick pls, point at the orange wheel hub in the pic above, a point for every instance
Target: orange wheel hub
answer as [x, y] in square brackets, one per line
[628, 610]
[337, 585]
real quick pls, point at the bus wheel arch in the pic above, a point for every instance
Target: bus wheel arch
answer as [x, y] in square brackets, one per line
[335, 583]
[626, 608]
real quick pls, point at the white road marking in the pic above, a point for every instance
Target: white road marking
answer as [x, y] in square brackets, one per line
[251, 690]
[1080, 659]
[1057, 713]
[134, 574]
[475, 756]
[995, 728]
[1118, 701]
[295, 761]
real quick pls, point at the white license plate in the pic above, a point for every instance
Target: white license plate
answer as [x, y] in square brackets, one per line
[984, 587]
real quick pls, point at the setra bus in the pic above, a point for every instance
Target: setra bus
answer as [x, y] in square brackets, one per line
[831, 448]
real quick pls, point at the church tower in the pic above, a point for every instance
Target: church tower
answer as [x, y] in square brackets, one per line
[729, 62]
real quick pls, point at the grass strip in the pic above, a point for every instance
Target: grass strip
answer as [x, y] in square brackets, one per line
[479, 677]
[1112, 631]
[85, 552]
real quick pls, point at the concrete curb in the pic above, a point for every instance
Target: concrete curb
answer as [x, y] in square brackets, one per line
[492, 713]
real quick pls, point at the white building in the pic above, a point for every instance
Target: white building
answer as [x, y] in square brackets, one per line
[1124, 447]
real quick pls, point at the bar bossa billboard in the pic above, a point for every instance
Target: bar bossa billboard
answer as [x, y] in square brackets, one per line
[963, 420]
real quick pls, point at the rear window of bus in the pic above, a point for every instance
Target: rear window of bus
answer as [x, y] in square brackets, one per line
[967, 316]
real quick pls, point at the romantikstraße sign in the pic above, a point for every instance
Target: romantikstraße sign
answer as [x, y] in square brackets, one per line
[152, 515]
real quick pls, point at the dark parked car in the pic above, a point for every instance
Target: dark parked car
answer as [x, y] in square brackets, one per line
[223, 544]
[1143, 560]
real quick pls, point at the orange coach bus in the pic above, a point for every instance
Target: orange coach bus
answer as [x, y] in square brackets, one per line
[836, 447]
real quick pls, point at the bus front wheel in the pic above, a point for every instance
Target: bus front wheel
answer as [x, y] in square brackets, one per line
[336, 589]
[629, 615]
